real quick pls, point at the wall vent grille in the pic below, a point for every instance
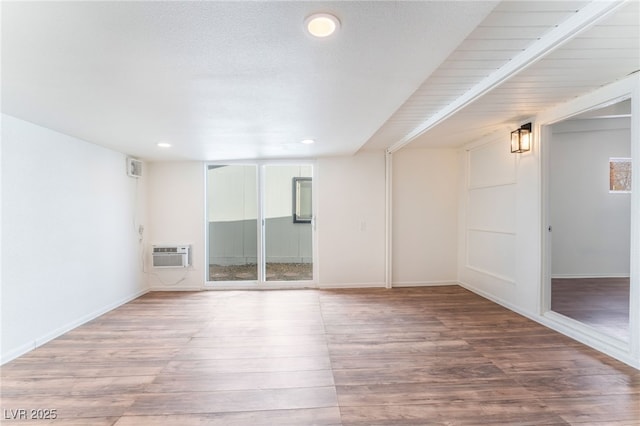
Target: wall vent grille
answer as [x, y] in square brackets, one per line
[134, 167]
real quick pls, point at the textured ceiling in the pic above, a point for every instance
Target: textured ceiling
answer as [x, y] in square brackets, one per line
[222, 80]
[242, 80]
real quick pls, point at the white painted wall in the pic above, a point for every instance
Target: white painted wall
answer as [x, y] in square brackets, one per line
[502, 226]
[177, 215]
[351, 220]
[591, 226]
[498, 239]
[70, 247]
[425, 216]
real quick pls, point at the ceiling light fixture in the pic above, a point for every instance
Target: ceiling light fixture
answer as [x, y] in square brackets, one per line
[322, 24]
[163, 145]
[307, 141]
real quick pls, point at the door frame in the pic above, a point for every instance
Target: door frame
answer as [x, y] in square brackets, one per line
[628, 352]
[261, 283]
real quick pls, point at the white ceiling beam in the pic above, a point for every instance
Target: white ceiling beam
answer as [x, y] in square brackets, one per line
[583, 19]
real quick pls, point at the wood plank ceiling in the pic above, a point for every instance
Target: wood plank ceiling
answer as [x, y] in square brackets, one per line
[603, 53]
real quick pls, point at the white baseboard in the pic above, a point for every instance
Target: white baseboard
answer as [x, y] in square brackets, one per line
[570, 276]
[39, 341]
[351, 285]
[276, 286]
[177, 288]
[423, 283]
[583, 335]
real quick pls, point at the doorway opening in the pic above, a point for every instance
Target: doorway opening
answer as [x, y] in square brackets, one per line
[589, 218]
[260, 224]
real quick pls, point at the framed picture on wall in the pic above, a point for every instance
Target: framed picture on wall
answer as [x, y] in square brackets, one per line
[620, 175]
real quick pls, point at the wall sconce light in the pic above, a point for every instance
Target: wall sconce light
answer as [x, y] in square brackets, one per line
[521, 139]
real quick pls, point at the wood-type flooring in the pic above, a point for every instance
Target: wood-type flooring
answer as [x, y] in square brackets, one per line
[417, 356]
[602, 303]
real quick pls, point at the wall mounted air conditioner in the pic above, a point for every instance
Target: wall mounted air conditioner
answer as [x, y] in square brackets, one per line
[171, 256]
[134, 167]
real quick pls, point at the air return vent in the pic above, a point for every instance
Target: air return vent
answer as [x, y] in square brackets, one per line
[134, 167]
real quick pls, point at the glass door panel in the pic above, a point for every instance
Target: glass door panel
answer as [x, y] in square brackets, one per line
[232, 218]
[288, 240]
[589, 201]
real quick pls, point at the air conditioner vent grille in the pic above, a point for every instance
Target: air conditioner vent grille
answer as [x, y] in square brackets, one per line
[171, 256]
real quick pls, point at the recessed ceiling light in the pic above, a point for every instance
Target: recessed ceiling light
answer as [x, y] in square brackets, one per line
[164, 145]
[308, 141]
[321, 24]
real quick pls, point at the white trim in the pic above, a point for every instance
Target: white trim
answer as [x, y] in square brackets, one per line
[627, 88]
[39, 341]
[489, 273]
[578, 276]
[492, 185]
[270, 285]
[424, 283]
[584, 329]
[497, 136]
[388, 226]
[583, 19]
[491, 231]
[262, 283]
[325, 286]
[176, 288]
[589, 338]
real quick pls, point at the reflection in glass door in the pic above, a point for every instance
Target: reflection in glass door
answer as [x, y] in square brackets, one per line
[232, 218]
[288, 223]
[589, 196]
[259, 223]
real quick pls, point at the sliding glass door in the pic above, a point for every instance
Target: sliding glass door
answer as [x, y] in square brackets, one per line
[260, 224]
[232, 219]
[288, 223]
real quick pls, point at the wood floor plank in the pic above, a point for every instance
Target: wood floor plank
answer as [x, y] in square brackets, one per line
[326, 416]
[167, 382]
[458, 413]
[425, 393]
[414, 356]
[256, 365]
[609, 409]
[74, 386]
[450, 372]
[263, 351]
[233, 401]
[602, 303]
[86, 406]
